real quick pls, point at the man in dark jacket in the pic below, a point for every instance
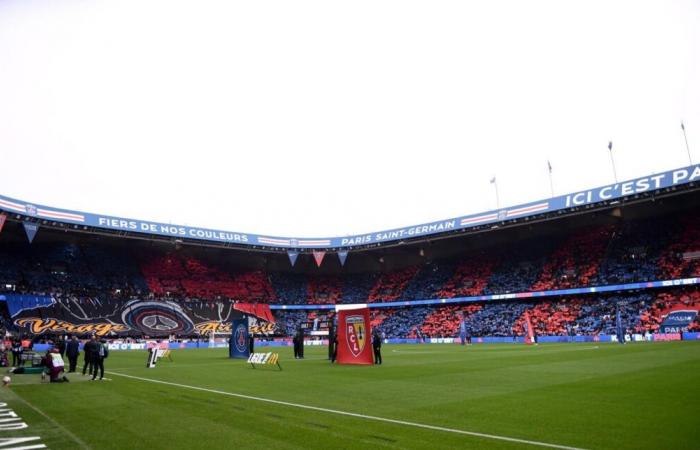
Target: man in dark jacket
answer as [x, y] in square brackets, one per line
[377, 347]
[61, 345]
[334, 355]
[331, 339]
[98, 362]
[300, 340]
[72, 351]
[295, 341]
[16, 353]
[89, 349]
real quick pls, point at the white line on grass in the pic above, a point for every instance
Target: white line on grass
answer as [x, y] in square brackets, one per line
[424, 352]
[218, 363]
[351, 414]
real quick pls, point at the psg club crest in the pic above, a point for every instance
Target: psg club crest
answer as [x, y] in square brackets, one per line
[239, 338]
[356, 334]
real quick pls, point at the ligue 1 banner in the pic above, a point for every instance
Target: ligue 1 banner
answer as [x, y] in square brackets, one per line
[354, 337]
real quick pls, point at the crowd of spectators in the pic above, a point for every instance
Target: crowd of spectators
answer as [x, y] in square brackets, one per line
[94, 274]
[633, 251]
[583, 315]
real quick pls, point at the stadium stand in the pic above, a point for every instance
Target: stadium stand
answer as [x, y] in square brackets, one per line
[470, 278]
[575, 262]
[176, 275]
[390, 286]
[325, 290]
[91, 277]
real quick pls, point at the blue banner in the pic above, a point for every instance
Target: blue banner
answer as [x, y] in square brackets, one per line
[293, 257]
[30, 229]
[678, 321]
[238, 343]
[17, 303]
[651, 183]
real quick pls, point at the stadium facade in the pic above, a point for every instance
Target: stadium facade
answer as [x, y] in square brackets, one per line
[571, 262]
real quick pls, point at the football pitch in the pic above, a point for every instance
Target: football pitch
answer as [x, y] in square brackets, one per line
[590, 396]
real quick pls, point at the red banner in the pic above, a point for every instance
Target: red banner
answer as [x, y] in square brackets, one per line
[529, 333]
[2, 221]
[354, 337]
[258, 310]
[318, 256]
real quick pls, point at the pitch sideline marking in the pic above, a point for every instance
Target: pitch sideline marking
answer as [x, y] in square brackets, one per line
[218, 363]
[351, 414]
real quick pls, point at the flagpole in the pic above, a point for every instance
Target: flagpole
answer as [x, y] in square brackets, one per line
[686, 144]
[551, 186]
[495, 185]
[612, 160]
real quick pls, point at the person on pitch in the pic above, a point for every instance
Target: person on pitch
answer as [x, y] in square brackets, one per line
[331, 339]
[61, 345]
[72, 351]
[377, 347]
[89, 349]
[295, 341]
[98, 358]
[334, 355]
[300, 338]
[55, 366]
[16, 353]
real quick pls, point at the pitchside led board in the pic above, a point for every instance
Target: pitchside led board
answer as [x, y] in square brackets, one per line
[354, 337]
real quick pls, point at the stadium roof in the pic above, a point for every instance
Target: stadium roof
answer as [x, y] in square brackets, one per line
[639, 189]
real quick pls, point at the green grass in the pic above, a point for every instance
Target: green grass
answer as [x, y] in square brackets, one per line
[594, 396]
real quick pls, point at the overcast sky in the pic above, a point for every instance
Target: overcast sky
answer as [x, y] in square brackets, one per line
[326, 118]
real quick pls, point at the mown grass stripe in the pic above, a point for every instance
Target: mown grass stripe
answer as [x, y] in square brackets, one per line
[351, 414]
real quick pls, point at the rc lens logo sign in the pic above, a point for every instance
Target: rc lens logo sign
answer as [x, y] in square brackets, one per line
[356, 334]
